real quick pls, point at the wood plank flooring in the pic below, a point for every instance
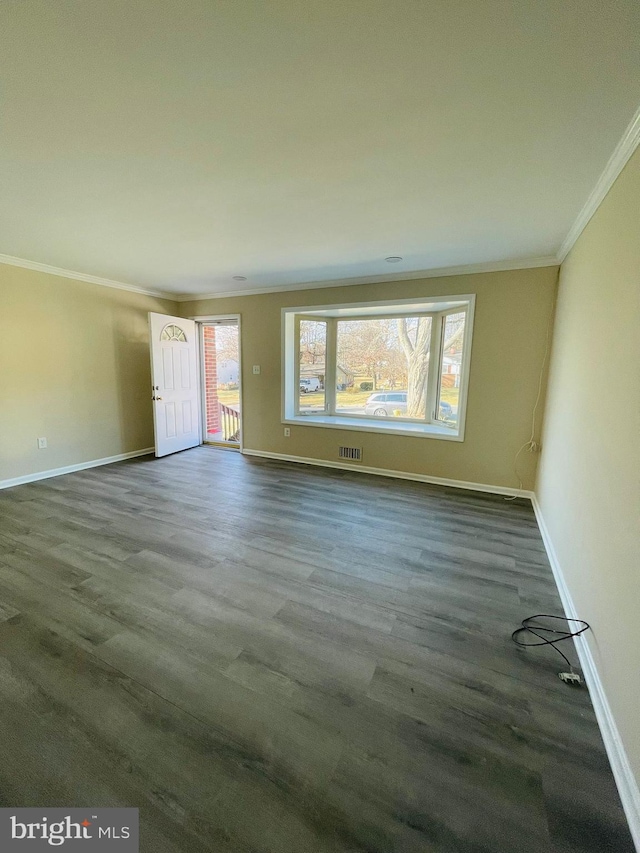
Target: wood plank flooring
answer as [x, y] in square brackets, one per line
[285, 659]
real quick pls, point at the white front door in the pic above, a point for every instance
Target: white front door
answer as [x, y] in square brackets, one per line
[174, 376]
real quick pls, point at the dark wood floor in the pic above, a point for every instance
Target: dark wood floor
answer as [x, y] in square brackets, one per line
[270, 657]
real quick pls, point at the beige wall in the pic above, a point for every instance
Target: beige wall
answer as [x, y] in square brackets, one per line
[511, 316]
[589, 480]
[74, 367]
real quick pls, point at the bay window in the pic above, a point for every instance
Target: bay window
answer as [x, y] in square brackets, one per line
[397, 367]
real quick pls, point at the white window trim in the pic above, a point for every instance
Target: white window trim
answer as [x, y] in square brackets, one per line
[362, 423]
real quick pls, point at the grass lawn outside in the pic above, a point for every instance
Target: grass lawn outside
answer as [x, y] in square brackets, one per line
[344, 399]
[230, 398]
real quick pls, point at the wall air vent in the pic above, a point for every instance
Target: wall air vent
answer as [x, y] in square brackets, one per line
[352, 453]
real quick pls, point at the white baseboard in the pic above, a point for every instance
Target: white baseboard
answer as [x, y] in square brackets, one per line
[69, 469]
[388, 472]
[625, 780]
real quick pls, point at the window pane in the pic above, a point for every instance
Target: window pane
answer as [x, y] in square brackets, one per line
[383, 355]
[173, 333]
[453, 329]
[313, 348]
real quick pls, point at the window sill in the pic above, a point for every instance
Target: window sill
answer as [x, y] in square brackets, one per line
[376, 425]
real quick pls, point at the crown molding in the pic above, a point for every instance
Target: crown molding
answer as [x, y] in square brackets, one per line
[439, 272]
[618, 160]
[81, 276]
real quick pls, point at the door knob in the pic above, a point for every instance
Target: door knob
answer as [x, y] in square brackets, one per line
[158, 398]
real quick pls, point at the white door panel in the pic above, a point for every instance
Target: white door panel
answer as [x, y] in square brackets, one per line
[174, 376]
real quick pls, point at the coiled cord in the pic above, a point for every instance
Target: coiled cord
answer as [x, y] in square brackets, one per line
[539, 631]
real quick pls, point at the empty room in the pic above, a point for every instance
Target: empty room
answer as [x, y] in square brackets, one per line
[320, 426]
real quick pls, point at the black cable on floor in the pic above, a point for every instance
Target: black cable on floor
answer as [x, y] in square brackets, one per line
[529, 628]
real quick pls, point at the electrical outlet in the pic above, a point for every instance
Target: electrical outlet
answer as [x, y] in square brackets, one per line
[287, 432]
[256, 369]
[42, 443]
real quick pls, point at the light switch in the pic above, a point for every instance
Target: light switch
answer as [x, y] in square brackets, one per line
[256, 368]
[42, 443]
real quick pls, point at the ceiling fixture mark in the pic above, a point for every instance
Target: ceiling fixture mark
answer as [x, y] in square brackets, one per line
[393, 259]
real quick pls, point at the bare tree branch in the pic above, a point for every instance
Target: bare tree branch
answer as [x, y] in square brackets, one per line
[423, 335]
[455, 337]
[403, 334]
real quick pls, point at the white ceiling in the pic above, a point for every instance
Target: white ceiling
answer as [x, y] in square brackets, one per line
[174, 145]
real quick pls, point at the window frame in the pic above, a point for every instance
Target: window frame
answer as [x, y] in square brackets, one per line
[431, 426]
[441, 355]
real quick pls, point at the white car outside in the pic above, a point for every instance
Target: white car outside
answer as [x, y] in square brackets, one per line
[307, 385]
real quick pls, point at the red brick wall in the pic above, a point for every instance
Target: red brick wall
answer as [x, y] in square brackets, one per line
[211, 379]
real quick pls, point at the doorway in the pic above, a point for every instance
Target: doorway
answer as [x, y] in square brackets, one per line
[221, 381]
